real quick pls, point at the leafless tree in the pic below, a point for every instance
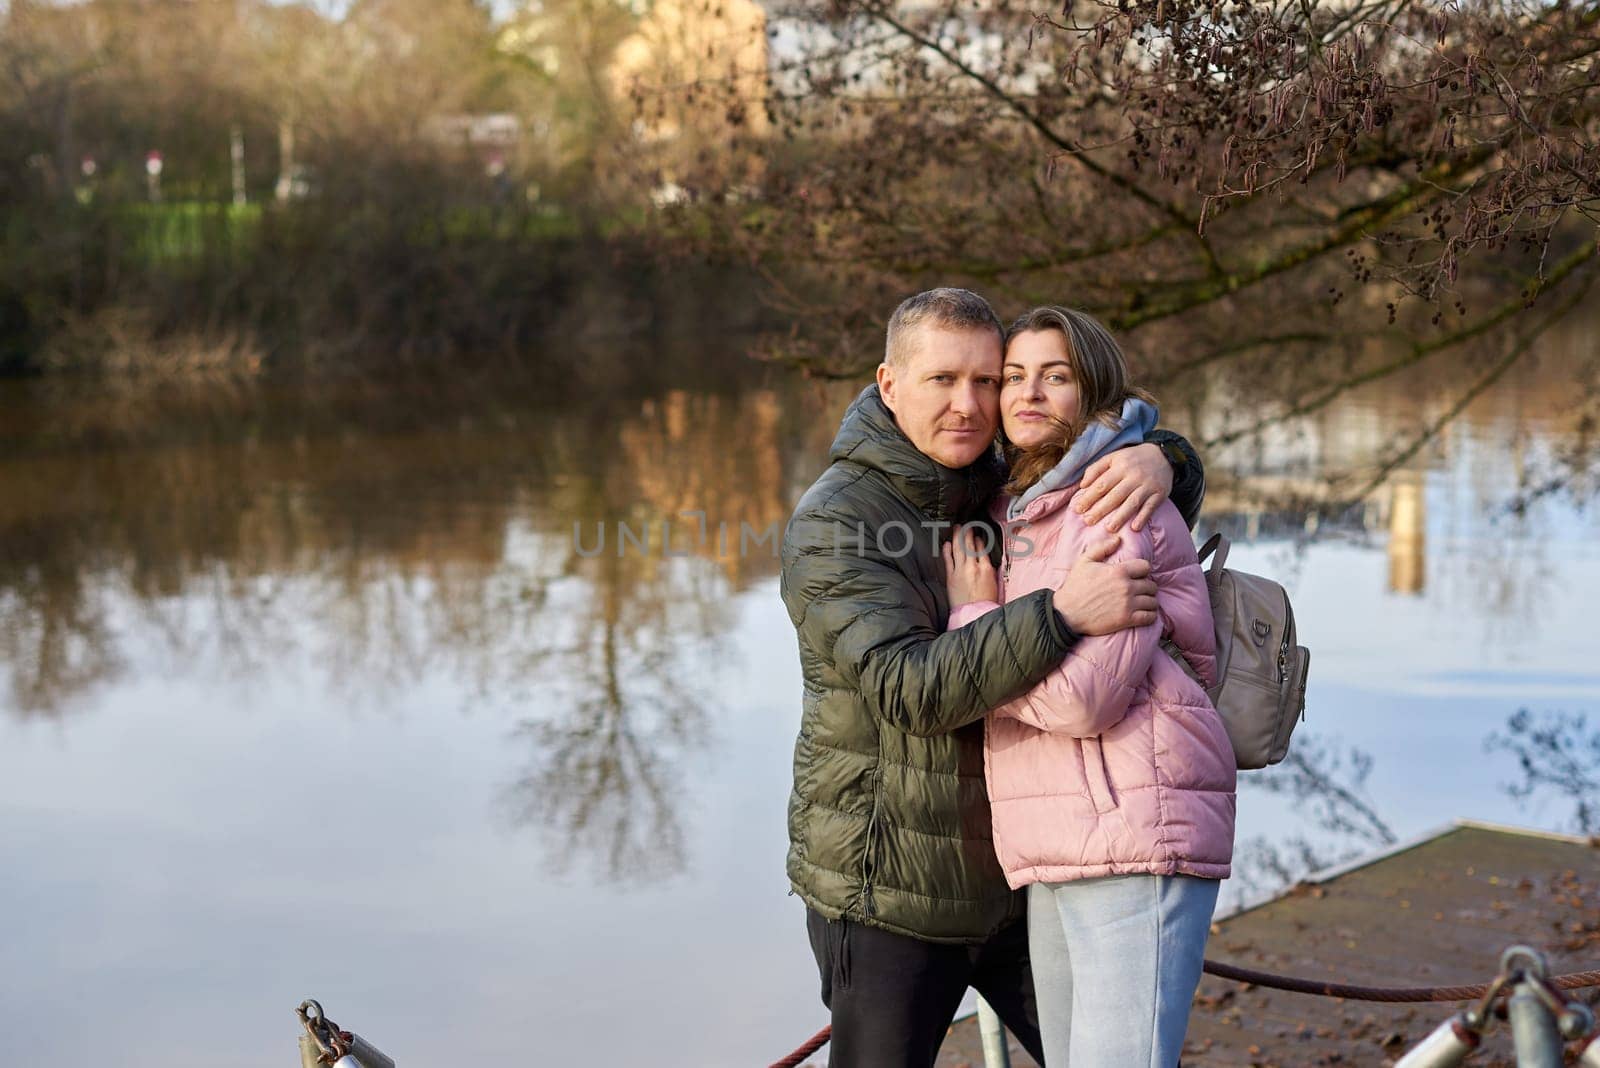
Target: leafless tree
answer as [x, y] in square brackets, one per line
[1309, 196]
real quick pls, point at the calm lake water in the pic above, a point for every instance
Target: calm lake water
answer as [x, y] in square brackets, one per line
[314, 690]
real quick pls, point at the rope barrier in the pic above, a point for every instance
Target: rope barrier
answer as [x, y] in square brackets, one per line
[814, 1043]
[1392, 994]
[1571, 981]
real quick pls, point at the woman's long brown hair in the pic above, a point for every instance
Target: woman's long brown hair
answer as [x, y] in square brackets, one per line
[1101, 372]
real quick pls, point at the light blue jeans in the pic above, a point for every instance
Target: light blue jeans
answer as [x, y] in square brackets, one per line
[1115, 966]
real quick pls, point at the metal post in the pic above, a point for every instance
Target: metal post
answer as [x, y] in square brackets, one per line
[309, 1052]
[995, 1053]
[1533, 1029]
[1534, 1034]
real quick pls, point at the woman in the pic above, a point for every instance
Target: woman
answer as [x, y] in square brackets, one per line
[1111, 782]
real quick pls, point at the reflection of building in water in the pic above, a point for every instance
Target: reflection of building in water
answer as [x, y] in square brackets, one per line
[1249, 508]
[1407, 532]
[718, 455]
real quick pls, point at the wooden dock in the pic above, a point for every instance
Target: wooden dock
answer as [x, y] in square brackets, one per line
[1433, 912]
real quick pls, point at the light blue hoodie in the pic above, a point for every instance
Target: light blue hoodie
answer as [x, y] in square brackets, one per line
[1138, 419]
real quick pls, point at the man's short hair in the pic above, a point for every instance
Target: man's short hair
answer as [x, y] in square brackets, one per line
[946, 308]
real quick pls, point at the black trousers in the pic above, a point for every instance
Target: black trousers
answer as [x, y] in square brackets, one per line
[892, 997]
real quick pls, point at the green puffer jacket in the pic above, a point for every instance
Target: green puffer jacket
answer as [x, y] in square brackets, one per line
[889, 818]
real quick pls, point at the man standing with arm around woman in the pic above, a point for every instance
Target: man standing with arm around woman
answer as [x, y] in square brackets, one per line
[889, 838]
[1111, 782]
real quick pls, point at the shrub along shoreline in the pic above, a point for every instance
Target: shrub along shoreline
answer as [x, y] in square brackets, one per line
[192, 285]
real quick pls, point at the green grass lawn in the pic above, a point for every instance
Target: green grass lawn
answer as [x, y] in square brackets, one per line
[185, 231]
[181, 231]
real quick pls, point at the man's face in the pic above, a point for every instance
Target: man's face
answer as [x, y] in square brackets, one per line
[946, 397]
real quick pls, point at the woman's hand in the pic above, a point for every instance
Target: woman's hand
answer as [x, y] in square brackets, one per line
[967, 571]
[1125, 487]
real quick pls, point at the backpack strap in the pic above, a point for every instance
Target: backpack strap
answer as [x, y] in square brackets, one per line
[1215, 544]
[1170, 647]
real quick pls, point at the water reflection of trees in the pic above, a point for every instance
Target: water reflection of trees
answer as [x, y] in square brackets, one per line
[373, 558]
[54, 638]
[1324, 782]
[377, 535]
[604, 776]
[1558, 757]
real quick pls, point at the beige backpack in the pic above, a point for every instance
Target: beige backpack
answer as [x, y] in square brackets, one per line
[1261, 671]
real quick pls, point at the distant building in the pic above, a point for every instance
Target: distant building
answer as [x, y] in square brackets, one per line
[492, 139]
[696, 66]
[497, 130]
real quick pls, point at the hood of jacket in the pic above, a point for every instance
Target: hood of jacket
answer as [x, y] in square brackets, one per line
[1138, 418]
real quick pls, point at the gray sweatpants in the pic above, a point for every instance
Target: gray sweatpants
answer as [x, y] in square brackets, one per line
[1115, 965]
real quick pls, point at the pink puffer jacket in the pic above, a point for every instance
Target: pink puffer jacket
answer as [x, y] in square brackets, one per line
[1116, 763]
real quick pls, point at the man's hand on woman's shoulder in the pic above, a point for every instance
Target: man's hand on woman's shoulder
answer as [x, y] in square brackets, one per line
[1125, 487]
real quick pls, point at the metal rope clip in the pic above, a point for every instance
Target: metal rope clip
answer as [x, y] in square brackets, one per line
[319, 1029]
[1479, 1015]
[1453, 1041]
[325, 1044]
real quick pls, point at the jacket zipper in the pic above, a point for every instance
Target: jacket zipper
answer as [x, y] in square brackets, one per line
[868, 869]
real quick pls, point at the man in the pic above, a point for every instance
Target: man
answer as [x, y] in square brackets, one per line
[890, 844]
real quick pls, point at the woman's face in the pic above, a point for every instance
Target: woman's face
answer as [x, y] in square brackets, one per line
[1038, 392]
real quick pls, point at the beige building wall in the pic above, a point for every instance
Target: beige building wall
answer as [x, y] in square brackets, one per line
[693, 65]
